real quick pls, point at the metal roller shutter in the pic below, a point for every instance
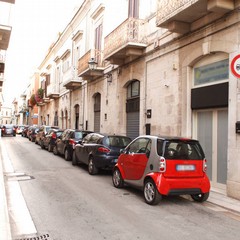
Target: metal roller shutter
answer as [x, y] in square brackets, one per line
[133, 124]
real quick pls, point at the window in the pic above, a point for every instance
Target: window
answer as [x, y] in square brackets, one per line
[148, 8]
[183, 150]
[65, 64]
[133, 89]
[116, 141]
[160, 147]
[87, 138]
[141, 145]
[133, 8]
[56, 119]
[95, 138]
[98, 43]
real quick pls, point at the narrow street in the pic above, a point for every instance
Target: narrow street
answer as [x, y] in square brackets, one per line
[63, 202]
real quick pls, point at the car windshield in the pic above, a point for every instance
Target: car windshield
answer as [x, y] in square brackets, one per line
[117, 141]
[182, 150]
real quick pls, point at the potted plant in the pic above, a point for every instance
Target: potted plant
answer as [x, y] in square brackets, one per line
[32, 100]
[39, 95]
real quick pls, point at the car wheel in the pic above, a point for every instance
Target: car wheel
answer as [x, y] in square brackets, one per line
[117, 179]
[151, 194]
[67, 155]
[42, 145]
[201, 197]
[49, 148]
[74, 159]
[91, 167]
[55, 151]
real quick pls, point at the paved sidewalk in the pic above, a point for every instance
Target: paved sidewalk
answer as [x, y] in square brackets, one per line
[223, 201]
[5, 231]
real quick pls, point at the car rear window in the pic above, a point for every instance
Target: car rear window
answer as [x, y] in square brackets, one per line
[59, 134]
[117, 141]
[78, 135]
[182, 150]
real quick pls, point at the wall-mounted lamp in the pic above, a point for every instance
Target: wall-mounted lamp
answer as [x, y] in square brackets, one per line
[109, 77]
[92, 64]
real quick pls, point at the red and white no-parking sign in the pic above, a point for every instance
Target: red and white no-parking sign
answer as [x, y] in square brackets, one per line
[235, 66]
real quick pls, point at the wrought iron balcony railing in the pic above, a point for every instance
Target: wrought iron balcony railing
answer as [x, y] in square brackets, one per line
[178, 15]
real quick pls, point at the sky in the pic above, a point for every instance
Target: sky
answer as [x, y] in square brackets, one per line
[35, 26]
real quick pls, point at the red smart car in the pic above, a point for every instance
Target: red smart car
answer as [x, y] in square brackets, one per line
[163, 166]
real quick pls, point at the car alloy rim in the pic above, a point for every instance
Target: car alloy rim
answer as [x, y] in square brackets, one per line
[149, 191]
[116, 178]
[90, 165]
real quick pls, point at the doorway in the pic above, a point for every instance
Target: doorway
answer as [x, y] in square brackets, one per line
[211, 129]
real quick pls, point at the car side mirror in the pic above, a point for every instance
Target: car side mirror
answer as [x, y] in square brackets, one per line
[124, 151]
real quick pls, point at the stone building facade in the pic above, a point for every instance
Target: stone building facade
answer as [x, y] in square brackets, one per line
[151, 67]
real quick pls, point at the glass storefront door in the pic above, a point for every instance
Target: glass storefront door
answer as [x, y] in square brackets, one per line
[211, 129]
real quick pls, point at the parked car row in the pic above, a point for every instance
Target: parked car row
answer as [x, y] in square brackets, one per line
[160, 166]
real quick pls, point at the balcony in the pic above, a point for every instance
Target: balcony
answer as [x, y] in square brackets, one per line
[8, 1]
[70, 79]
[2, 67]
[46, 100]
[5, 32]
[53, 91]
[1, 81]
[83, 68]
[126, 43]
[178, 15]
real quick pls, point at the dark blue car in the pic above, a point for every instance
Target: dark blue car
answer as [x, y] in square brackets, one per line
[99, 151]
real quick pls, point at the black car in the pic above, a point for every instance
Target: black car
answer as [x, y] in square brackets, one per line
[32, 133]
[99, 151]
[24, 131]
[8, 130]
[49, 140]
[65, 143]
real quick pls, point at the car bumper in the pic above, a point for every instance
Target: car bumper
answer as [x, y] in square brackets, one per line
[105, 162]
[181, 186]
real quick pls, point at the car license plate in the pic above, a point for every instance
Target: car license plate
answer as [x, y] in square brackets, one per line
[185, 167]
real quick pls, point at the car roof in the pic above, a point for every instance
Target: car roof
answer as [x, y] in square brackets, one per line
[109, 135]
[169, 138]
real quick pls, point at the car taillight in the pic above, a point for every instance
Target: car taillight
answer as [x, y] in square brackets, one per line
[103, 149]
[162, 165]
[72, 142]
[204, 165]
[54, 136]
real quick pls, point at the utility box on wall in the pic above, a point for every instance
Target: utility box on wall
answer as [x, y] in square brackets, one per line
[238, 127]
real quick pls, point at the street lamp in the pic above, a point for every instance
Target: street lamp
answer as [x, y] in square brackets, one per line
[92, 64]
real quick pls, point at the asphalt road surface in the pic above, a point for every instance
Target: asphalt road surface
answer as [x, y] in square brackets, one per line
[48, 198]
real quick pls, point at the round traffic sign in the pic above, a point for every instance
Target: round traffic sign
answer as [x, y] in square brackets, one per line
[235, 66]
